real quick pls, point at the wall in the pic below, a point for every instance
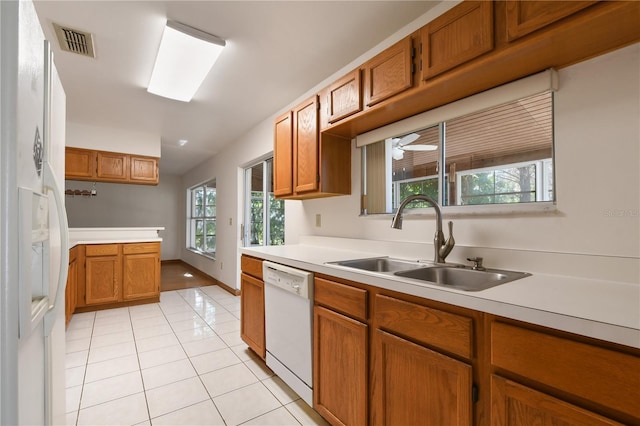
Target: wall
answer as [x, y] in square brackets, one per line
[597, 152]
[112, 139]
[227, 167]
[597, 133]
[120, 205]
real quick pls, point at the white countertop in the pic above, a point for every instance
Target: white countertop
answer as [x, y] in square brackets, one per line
[114, 235]
[606, 310]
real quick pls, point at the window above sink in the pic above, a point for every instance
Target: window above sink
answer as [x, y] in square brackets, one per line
[495, 148]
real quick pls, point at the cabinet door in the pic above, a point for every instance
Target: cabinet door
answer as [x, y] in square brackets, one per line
[143, 169]
[340, 368]
[345, 97]
[103, 279]
[283, 156]
[113, 166]
[305, 146]
[141, 278]
[459, 35]
[524, 17]
[390, 72]
[415, 385]
[79, 163]
[513, 405]
[71, 289]
[252, 313]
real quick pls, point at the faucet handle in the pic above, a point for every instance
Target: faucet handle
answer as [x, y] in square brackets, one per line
[477, 263]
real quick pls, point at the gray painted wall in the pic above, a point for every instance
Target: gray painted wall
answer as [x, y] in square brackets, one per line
[120, 205]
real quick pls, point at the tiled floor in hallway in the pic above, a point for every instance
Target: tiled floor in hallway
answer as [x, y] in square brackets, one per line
[177, 362]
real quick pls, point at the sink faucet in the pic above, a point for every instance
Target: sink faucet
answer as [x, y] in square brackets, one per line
[442, 248]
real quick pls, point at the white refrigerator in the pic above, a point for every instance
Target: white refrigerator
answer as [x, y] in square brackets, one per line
[33, 227]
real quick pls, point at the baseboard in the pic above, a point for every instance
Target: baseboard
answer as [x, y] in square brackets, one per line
[197, 271]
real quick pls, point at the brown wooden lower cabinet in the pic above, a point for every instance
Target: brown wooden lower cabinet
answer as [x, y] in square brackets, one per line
[415, 385]
[602, 380]
[513, 404]
[430, 363]
[71, 290]
[252, 313]
[109, 275]
[141, 271]
[340, 367]
[103, 280]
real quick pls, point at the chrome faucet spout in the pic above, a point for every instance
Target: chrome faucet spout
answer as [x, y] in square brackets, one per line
[441, 247]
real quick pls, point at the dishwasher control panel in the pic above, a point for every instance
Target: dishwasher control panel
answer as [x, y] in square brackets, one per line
[290, 279]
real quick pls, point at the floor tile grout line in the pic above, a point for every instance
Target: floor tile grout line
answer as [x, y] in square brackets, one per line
[86, 364]
[144, 389]
[197, 373]
[201, 315]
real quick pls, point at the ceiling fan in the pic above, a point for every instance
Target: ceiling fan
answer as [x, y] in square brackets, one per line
[400, 145]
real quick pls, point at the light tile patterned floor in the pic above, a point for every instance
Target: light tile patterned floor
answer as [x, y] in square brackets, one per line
[177, 362]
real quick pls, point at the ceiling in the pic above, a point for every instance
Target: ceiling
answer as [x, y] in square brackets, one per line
[276, 51]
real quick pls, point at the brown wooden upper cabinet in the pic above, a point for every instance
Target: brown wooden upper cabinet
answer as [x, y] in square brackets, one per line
[283, 156]
[390, 72]
[104, 166]
[306, 164]
[305, 143]
[143, 169]
[457, 36]
[79, 163]
[113, 166]
[344, 97]
[524, 17]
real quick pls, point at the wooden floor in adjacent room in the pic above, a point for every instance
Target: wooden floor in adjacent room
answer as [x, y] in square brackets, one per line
[178, 275]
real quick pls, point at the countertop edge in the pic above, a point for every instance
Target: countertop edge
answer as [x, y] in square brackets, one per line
[72, 244]
[572, 323]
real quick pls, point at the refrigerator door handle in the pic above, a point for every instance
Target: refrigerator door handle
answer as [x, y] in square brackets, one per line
[51, 182]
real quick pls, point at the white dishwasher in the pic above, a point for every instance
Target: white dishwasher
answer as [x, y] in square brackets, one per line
[288, 315]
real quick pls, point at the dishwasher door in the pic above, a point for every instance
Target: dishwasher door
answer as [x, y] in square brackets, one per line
[288, 326]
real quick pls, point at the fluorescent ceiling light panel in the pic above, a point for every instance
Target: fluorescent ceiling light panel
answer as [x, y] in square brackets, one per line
[184, 59]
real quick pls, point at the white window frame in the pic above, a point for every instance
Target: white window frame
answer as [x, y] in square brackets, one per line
[192, 220]
[528, 86]
[542, 183]
[267, 172]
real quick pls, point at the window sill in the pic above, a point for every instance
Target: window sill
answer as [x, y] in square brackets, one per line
[500, 210]
[211, 256]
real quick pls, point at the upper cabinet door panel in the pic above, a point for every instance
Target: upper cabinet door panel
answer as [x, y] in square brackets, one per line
[283, 156]
[390, 72]
[524, 17]
[459, 35]
[143, 169]
[79, 163]
[112, 166]
[305, 140]
[345, 97]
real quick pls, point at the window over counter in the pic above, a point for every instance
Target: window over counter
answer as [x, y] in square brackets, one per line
[201, 236]
[497, 154]
[263, 213]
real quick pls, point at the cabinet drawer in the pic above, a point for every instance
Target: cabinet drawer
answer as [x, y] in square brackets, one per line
[348, 300]
[140, 248]
[449, 332]
[597, 374]
[251, 266]
[101, 249]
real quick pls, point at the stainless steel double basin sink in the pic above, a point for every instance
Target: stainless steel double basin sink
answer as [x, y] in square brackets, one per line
[448, 275]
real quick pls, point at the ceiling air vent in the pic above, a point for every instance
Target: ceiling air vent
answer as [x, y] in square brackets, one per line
[75, 41]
